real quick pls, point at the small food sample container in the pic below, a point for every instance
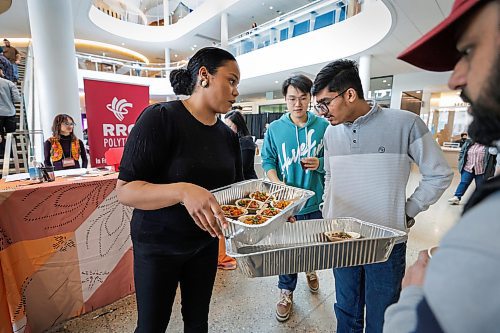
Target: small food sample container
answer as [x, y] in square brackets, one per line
[335, 236]
[238, 194]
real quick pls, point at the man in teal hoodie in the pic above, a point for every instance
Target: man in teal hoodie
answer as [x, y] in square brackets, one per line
[292, 153]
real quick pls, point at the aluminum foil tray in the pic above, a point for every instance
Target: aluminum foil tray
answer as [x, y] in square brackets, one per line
[251, 234]
[302, 247]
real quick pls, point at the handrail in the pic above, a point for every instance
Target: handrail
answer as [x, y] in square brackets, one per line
[30, 99]
[130, 63]
[28, 92]
[287, 17]
[269, 32]
[152, 13]
[100, 63]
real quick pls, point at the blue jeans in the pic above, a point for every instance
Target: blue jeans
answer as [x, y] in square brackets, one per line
[377, 286]
[465, 180]
[15, 71]
[289, 281]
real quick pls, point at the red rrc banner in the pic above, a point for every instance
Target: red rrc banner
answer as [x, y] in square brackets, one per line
[112, 109]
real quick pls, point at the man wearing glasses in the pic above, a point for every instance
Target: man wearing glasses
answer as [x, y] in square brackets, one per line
[292, 153]
[368, 157]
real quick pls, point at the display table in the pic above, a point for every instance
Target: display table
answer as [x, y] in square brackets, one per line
[65, 249]
[451, 156]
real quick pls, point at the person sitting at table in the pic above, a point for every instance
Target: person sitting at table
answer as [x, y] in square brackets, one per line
[63, 149]
[462, 140]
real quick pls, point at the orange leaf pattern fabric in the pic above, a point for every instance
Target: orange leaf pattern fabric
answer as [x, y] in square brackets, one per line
[65, 249]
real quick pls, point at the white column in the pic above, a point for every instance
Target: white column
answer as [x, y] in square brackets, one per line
[166, 20]
[55, 67]
[167, 57]
[274, 36]
[166, 12]
[364, 73]
[167, 63]
[224, 31]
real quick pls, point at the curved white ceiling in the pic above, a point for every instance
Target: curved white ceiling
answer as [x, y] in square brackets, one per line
[208, 10]
[346, 39]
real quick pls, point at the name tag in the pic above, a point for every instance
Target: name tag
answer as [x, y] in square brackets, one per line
[68, 162]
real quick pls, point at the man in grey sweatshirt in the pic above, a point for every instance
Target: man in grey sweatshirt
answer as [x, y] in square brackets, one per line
[368, 155]
[458, 290]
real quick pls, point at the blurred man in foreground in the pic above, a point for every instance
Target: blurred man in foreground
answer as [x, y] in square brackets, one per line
[459, 290]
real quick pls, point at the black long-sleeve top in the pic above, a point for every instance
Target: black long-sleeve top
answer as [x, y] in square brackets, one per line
[169, 145]
[65, 142]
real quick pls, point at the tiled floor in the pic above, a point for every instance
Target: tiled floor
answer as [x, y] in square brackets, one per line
[240, 304]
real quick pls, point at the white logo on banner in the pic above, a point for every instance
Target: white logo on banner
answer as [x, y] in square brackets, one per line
[118, 107]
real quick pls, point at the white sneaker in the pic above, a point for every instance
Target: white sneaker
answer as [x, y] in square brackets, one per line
[454, 201]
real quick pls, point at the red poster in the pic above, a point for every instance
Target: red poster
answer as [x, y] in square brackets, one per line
[112, 109]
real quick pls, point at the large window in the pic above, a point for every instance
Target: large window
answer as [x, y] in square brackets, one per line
[411, 101]
[380, 90]
[447, 116]
[272, 108]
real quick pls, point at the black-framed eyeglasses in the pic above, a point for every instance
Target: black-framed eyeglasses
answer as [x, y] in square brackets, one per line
[322, 107]
[302, 100]
[67, 123]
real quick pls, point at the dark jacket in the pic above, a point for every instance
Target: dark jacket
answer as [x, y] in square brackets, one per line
[489, 160]
[247, 147]
[8, 70]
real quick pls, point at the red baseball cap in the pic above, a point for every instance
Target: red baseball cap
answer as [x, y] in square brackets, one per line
[436, 50]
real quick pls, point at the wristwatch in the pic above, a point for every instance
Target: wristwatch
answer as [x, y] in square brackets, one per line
[410, 221]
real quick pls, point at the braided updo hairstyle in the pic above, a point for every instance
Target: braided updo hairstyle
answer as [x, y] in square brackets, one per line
[183, 80]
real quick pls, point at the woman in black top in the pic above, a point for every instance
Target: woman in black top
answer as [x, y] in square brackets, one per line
[63, 149]
[234, 119]
[177, 152]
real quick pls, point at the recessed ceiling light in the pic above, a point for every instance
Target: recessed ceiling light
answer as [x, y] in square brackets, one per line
[389, 84]
[123, 44]
[192, 49]
[384, 81]
[176, 55]
[276, 82]
[271, 7]
[194, 45]
[418, 91]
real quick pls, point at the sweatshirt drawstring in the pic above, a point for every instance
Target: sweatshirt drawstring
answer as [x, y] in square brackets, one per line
[298, 143]
[307, 145]
[299, 151]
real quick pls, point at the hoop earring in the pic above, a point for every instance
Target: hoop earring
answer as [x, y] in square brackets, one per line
[204, 83]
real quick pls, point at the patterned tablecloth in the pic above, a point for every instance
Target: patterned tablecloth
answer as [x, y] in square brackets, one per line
[65, 249]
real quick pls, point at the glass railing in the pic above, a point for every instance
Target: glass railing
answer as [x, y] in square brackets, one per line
[30, 134]
[99, 63]
[313, 16]
[146, 12]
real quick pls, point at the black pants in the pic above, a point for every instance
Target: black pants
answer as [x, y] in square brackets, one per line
[156, 278]
[7, 125]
